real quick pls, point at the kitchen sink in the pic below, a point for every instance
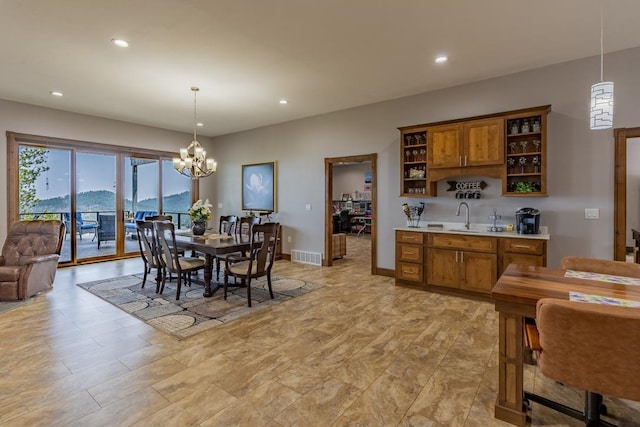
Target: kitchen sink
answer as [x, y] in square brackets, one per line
[463, 230]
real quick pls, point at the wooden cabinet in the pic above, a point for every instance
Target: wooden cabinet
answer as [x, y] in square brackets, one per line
[467, 263]
[526, 148]
[522, 251]
[466, 144]
[413, 157]
[510, 146]
[410, 258]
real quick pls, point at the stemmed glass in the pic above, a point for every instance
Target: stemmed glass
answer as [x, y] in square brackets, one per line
[423, 154]
[407, 140]
[512, 147]
[510, 163]
[522, 161]
[407, 156]
[415, 155]
[536, 144]
[535, 162]
[524, 144]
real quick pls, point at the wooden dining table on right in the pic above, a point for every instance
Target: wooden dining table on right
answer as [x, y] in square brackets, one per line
[212, 244]
[516, 294]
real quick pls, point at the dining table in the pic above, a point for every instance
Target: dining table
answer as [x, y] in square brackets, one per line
[516, 294]
[211, 244]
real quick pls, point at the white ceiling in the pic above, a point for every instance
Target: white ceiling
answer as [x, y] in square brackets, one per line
[245, 55]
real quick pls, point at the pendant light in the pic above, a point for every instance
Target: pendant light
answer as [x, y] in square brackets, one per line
[601, 116]
[193, 160]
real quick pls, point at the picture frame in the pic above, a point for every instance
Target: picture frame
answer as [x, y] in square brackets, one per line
[259, 187]
[344, 197]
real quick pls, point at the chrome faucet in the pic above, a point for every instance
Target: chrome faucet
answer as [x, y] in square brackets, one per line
[466, 218]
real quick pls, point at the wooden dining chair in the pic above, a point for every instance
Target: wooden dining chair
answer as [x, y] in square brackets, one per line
[171, 261]
[148, 243]
[258, 262]
[227, 226]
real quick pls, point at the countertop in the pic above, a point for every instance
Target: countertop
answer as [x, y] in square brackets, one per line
[475, 230]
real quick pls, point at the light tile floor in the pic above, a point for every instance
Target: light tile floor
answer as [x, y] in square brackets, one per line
[360, 351]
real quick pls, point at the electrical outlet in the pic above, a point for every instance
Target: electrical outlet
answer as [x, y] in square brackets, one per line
[308, 207]
[593, 213]
[289, 239]
[219, 205]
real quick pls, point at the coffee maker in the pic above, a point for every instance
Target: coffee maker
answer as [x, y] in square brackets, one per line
[528, 221]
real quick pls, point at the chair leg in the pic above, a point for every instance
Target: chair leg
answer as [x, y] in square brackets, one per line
[249, 291]
[592, 404]
[179, 285]
[226, 282]
[144, 278]
[217, 269]
[164, 278]
[269, 283]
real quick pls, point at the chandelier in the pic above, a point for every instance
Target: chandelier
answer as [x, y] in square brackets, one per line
[193, 160]
[601, 112]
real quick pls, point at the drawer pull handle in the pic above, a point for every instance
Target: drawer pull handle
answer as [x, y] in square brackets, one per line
[523, 246]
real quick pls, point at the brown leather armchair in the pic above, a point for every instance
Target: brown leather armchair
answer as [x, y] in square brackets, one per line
[30, 258]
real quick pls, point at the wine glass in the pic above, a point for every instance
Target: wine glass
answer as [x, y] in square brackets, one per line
[536, 144]
[524, 144]
[423, 154]
[407, 140]
[415, 155]
[512, 147]
[407, 156]
[522, 161]
[511, 163]
[536, 162]
[515, 126]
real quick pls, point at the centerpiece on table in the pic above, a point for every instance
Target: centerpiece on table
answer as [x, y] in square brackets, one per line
[200, 212]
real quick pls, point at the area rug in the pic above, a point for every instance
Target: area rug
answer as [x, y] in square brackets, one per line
[192, 313]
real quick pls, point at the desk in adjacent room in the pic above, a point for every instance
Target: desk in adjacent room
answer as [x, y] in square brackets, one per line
[516, 294]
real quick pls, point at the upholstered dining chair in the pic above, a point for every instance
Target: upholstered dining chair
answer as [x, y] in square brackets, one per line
[227, 226]
[170, 259]
[259, 261]
[106, 228]
[29, 258]
[593, 347]
[149, 250]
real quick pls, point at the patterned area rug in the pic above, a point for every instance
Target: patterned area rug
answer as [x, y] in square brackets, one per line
[192, 313]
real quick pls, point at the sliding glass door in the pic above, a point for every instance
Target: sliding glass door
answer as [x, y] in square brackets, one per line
[98, 192]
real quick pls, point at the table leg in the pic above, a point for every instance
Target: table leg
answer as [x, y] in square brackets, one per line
[208, 274]
[509, 406]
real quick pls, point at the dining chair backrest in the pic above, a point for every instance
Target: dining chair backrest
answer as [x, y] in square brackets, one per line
[168, 250]
[159, 218]
[227, 224]
[602, 266]
[243, 228]
[148, 243]
[264, 255]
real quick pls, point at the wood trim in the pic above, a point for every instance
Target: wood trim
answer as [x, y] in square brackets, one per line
[620, 190]
[524, 112]
[328, 197]
[387, 272]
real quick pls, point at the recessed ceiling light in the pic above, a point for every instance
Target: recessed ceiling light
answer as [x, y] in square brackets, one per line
[283, 101]
[120, 42]
[55, 93]
[199, 124]
[440, 59]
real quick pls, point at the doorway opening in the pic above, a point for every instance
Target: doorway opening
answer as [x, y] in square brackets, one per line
[621, 230]
[371, 222]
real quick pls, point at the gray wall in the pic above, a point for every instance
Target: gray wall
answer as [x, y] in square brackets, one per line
[349, 178]
[580, 169]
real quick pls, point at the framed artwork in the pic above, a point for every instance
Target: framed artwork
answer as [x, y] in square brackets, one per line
[259, 187]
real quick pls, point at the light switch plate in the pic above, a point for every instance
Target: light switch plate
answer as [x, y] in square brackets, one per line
[308, 207]
[219, 205]
[592, 213]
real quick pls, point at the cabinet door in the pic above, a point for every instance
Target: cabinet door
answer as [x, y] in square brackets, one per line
[442, 268]
[483, 142]
[522, 259]
[478, 271]
[444, 149]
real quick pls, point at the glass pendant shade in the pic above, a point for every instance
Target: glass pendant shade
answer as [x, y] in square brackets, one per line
[601, 116]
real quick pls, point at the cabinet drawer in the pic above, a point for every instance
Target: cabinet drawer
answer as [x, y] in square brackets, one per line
[469, 243]
[410, 237]
[409, 272]
[410, 253]
[522, 246]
